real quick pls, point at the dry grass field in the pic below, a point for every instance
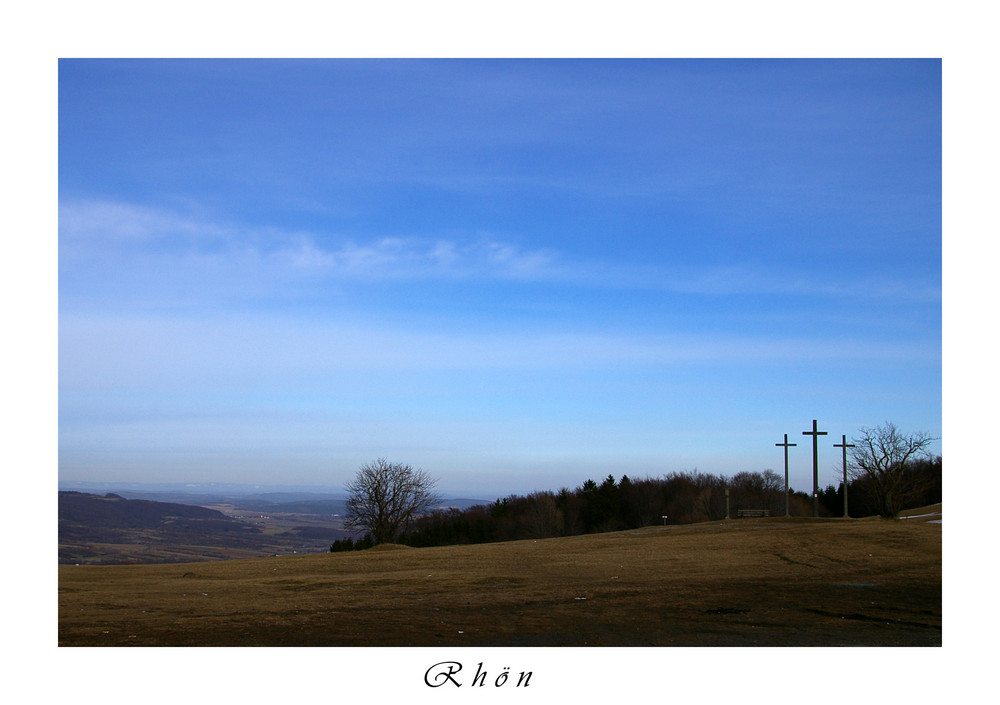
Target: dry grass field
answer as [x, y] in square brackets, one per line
[769, 582]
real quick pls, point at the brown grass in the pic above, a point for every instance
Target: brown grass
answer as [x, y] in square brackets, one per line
[783, 582]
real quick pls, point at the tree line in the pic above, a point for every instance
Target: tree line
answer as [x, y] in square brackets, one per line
[611, 505]
[889, 471]
[919, 482]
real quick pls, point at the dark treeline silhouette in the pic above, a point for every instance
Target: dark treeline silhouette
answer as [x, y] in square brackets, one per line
[610, 505]
[349, 544]
[682, 497]
[922, 478]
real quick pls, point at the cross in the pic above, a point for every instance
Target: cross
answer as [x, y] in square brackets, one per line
[845, 445]
[815, 434]
[786, 444]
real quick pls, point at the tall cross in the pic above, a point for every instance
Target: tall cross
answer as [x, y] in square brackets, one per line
[786, 444]
[815, 434]
[845, 445]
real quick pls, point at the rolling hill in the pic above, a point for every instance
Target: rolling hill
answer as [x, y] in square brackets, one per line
[110, 529]
[743, 582]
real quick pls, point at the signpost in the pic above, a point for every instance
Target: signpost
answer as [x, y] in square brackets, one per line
[786, 444]
[845, 445]
[815, 434]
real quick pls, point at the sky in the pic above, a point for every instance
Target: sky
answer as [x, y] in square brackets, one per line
[514, 274]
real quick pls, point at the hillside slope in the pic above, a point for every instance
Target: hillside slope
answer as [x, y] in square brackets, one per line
[778, 582]
[111, 511]
[111, 529]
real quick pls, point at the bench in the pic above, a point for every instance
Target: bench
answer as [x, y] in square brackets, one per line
[742, 513]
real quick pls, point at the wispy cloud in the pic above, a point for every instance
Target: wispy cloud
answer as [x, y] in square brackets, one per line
[167, 241]
[398, 257]
[113, 223]
[132, 231]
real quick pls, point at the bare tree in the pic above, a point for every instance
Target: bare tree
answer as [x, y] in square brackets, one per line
[385, 497]
[880, 465]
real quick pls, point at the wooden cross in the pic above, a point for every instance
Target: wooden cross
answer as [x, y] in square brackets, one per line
[815, 434]
[845, 445]
[786, 444]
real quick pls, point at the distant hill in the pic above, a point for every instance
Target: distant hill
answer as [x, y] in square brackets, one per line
[161, 526]
[213, 489]
[112, 511]
[109, 529]
[291, 498]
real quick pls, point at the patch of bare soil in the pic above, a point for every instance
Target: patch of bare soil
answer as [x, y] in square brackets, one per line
[768, 582]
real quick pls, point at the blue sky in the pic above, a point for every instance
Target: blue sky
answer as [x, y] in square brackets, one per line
[513, 274]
